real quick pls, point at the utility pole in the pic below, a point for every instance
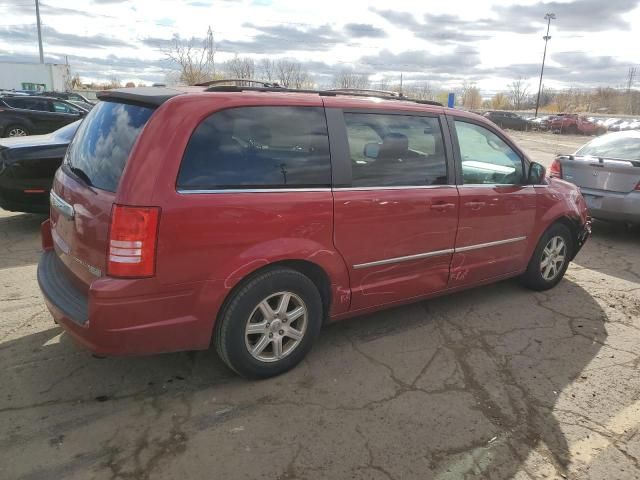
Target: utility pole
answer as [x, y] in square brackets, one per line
[39, 31]
[400, 83]
[548, 17]
[633, 71]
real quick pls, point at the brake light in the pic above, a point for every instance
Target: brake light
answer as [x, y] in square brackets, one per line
[637, 187]
[132, 241]
[555, 170]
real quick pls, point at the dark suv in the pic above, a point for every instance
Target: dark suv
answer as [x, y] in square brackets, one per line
[29, 115]
[507, 120]
[73, 96]
[249, 217]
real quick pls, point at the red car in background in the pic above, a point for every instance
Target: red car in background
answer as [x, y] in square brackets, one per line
[249, 217]
[574, 124]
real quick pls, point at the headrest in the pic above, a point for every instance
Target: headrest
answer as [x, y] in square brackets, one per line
[394, 145]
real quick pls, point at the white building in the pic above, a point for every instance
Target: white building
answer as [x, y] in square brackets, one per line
[34, 76]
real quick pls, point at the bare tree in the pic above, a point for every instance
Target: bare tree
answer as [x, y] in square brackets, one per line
[114, 82]
[420, 91]
[470, 95]
[76, 82]
[267, 70]
[499, 101]
[194, 58]
[241, 67]
[291, 74]
[350, 79]
[518, 92]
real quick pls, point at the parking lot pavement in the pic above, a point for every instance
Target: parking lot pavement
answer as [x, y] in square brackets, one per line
[497, 382]
[543, 147]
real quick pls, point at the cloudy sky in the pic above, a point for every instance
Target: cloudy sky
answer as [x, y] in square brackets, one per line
[484, 41]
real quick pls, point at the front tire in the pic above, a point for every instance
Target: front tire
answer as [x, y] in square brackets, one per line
[550, 259]
[269, 325]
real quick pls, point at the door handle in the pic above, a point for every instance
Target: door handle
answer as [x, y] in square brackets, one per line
[475, 205]
[442, 206]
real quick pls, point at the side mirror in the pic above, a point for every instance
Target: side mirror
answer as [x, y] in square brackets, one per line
[536, 174]
[371, 150]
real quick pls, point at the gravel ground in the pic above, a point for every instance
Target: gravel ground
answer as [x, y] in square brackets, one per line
[496, 382]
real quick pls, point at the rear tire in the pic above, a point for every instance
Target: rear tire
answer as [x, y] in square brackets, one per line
[550, 259]
[16, 131]
[269, 324]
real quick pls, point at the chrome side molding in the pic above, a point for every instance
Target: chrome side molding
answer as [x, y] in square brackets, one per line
[404, 259]
[490, 244]
[437, 253]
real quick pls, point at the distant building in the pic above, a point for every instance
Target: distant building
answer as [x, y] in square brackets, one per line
[34, 76]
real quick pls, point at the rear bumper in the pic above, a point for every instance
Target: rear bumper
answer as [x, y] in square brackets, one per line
[618, 206]
[114, 317]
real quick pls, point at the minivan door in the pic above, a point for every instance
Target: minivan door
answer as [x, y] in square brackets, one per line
[396, 219]
[497, 208]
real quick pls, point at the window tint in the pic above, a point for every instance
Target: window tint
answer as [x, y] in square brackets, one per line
[258, 147]
[61, 107]
[15, 102]
[485, 157]
[104, 140]
[395, 150]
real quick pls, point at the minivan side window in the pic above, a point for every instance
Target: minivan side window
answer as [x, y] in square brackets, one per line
[486, 158]
[258, 147]
[395, 150]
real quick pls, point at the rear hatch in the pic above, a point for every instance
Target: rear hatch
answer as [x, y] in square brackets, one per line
[601, 174]
[85, 187]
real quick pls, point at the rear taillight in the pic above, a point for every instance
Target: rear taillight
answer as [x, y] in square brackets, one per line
[555, 170]
[132, 241]
[637, 187]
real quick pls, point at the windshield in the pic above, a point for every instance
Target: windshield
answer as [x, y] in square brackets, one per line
[623, 147]
[101, 146]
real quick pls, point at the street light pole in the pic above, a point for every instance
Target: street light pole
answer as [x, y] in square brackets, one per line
[548, 17]
[39, 31]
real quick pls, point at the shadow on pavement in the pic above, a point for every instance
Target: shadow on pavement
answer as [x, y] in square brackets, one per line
[19, 239]
[458, 387]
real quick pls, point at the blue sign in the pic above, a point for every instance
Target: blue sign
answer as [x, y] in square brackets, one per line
[452, 100]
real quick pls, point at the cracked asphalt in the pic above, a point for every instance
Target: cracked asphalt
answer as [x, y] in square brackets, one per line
[496, 382]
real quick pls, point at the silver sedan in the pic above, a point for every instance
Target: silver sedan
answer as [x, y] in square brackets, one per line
[607, 170]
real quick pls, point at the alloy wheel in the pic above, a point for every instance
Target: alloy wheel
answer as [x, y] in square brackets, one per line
[553, 259]
[276, 327]
[17, 132]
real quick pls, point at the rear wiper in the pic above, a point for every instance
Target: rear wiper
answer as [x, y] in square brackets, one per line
[81, 174]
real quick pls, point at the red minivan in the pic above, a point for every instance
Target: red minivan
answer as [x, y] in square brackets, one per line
[248, 217]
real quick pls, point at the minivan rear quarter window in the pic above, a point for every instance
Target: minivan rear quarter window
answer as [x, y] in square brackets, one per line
[103, 142]
[260, 148]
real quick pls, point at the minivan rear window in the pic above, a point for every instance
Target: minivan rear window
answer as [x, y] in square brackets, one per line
[258, 147]
[103, 142]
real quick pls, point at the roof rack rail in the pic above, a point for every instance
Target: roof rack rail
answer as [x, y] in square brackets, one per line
[355, 92]
[366, 91]
[238, 80]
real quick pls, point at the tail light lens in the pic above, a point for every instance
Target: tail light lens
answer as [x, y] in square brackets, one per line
[555, 170]
[637, 187]
[132, 241]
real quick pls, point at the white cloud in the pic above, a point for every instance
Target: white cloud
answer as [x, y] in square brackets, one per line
[493, 40]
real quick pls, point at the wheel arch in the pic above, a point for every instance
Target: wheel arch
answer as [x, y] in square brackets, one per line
[313, 271]
[574, 226]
